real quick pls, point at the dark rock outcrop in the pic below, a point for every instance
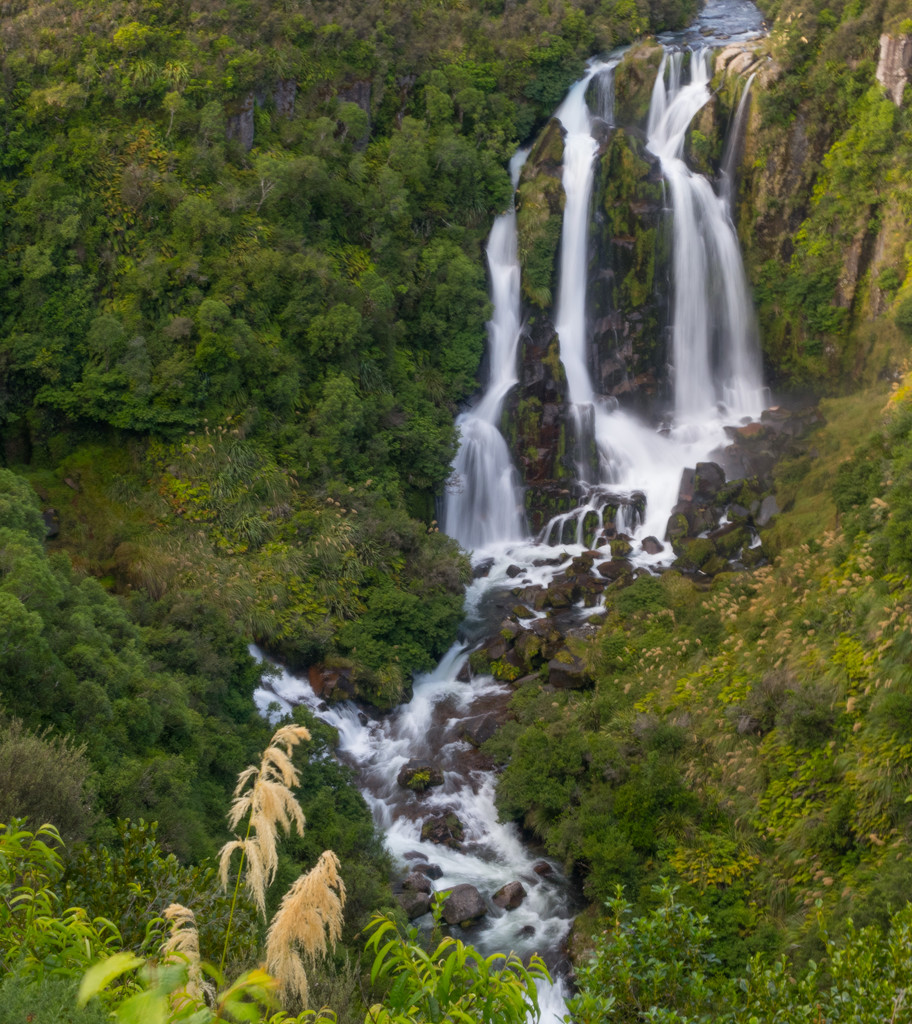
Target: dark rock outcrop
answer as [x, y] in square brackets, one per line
[445, 830]
[463, 905]
[419, 776]
[509, 896]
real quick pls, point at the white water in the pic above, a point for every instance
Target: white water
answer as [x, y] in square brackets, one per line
[733, 149]
[484, 513]
[714, 351]
[484, 499]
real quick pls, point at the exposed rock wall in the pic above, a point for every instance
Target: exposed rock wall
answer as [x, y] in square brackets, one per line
[894, 64]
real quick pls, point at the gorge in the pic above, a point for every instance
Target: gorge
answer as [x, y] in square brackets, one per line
[626, 473]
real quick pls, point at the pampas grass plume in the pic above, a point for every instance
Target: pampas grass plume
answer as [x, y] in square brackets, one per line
[263, 796]
[183, 944]
[307, 924]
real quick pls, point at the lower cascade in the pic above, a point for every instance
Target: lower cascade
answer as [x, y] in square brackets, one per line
[429, 787]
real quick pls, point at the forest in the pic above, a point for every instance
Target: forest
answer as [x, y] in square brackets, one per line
[244, 300]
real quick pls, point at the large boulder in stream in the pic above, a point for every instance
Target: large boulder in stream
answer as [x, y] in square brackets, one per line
[419, 776]
[445, 830]
[414, 904]
[463, 905]
[509, 896]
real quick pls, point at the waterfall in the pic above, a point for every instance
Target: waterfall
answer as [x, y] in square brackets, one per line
[733, 149]
[483, 504]
[636, 470]
[570, 317]
[714, 346]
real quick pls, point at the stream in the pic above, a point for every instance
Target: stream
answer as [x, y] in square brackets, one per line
[638, 466]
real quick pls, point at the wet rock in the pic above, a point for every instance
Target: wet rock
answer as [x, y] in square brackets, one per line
[769, 507]
[543, 868]
[527, 931]
[479, 729]
[729, 539]
[694, 553]
[240, 123]
[481, 570]
[414, 855]
[496, 648]
[677, 527]
[686, 488]
[522, 612]
[417, 882]
[463, 905]
[445, 830]
[509, 896]
[567, 672]
[434, 871]
[331, 683]
[620, 546]
[614, 569]
[419, 776]
[464, 675]
[652, 545]
[414, 904]
[709, 477]
[560, 596]
[510, 630]
[513, 571]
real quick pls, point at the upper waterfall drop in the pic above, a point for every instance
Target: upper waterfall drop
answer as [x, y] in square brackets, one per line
[714, 336]
[483, 506]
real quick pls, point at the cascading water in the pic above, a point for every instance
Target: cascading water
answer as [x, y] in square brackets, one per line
[637, 470]
[484, 501]
[733, 149]
[714, 351]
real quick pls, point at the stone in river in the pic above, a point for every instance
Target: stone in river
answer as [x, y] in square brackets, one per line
[417, 882]
[445, 830]
[478, 729]
[513, 570]
[543, 868]
[463, 905]
[510, 895]
[418, 777]
[434, 871]
[652, 545]
[414, 903]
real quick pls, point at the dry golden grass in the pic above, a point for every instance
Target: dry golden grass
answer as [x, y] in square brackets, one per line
[263, 795]
[307, 924]
[182, 944]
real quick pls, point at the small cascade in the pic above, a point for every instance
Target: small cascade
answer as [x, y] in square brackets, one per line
[733, 146]
[484, 501]
[714, 347]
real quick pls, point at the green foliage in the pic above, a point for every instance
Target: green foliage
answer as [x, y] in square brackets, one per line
[451, 982]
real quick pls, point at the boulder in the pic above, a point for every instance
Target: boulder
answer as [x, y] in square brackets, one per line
[543, 868]
[419, 776]
[513, 571]
[434, 871]
[414, 904]
[445, 830]
[652, 545]
[417, 882]
[463, 905]
[620, 546]
[709, 477]
[567, 672]
[509, 896]
[478, 729]
[769, 507]
[614, 569]
[482, 569]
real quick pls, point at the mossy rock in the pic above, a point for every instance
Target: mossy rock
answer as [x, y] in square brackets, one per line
[695, 553]
[620, 547]
[633, 82]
